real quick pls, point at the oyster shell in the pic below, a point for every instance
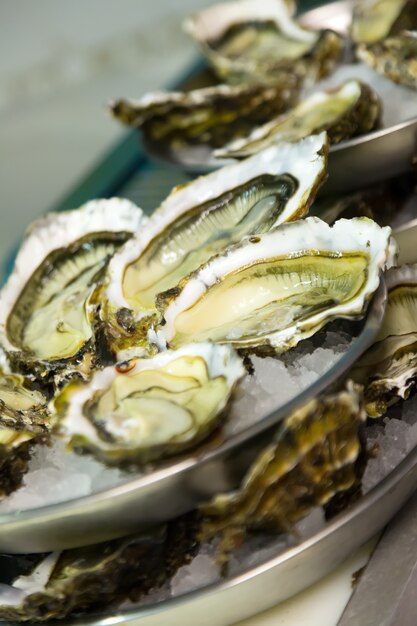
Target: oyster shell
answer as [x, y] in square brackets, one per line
[24, 422]
[57, 585]
[313, 457]
[395, 57]
[374, 20]
[350, 110]
[271, 291]
[144, 409]
[250, 41]
[210, 116]
[200, 219]
[46, 307]
[389, 368]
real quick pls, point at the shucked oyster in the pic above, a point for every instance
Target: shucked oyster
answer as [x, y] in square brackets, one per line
[211, 116]
[144, 409]
[271, 291]
[313, 457]
[351, 110]
[23, 423]
[57, 585]
[374, 20]
[389, 368]
[200, 219]
[395, 57]
[46, 305]
[257, 41]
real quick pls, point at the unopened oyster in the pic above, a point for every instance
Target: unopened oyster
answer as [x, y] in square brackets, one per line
[350, 110]
[144, 409]
[24, 422]
[250, 41]
[395, 57]
[313, 457]
[374, 20]
[271, 291]
[57, 585]
[200, 219]
[46, 305]
[210, 116]
[389, 368]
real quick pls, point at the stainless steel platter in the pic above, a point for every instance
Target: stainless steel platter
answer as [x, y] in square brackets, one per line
[173, 489]
[353, 164]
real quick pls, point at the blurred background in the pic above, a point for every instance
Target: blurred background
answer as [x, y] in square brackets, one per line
[60, 63]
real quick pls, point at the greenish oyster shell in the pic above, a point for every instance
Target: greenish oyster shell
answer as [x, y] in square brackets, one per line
[348, 111]
[86, 580]
[47, 306]
[24, 423]
[314, 456]
[202, 218]
[269, 292]
[145, 409]
[375, 20]
[395, 57]
[210, 116]
[252, 41]
[388, 370]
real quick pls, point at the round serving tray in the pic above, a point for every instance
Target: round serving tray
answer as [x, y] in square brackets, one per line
[175, 488]
[279, 578]
[353, 164]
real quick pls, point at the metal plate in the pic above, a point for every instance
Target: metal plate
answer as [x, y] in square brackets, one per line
[173, 489]
[353, 164]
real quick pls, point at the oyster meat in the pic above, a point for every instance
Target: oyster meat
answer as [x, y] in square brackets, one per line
[46, 307]
[144, 409]
[374, 20]
[201, 219]
[24, 422]
[348, 111]
[273, 290]
[389, 368]
[57, 585]
[395, 57]
[313, 457]
[210, 116]
[249, 41]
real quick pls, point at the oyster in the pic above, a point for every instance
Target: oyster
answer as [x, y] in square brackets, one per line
[24, 422]
[271, 291]
[313, 457]
[350, 110]
[46, 307]
[144, 409]
[389, 368]
[57, 585]
[200, 219]
[249, 41]
[374, 20]
[210, 116]
[395, 57]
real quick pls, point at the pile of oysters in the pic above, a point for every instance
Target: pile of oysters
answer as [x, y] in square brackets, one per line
[127, 336]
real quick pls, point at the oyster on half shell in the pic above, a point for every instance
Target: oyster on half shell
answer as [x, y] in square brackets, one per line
[46, 307]
[313, 457]
[389, 368]
[145, 409]
[24, 422]
[271, 291]
[374, 20]
[202, 218]
[62, 584]
[211, 116]
[250, 41]
[395, 57]
[350, 110]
